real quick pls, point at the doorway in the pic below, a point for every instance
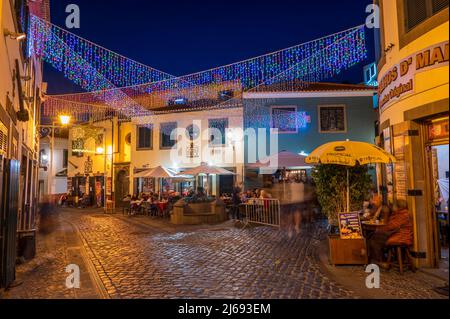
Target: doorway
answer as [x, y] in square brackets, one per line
[439, 165]
[122, 187]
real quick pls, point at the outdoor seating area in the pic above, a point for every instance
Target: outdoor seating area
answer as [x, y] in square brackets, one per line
[151, 204]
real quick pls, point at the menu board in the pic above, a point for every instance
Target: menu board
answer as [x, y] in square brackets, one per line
[108, 186]
[400, 176]
[400, 180]
[350, 225]
[389, 167]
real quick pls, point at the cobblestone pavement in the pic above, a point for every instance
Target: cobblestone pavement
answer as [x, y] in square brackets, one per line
[140, 258]
[44, 277]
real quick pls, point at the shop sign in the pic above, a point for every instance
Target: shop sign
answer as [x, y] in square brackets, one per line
[350, 225]
[399, 81]
[438, 130]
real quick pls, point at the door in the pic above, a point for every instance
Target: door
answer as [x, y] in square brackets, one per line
[8, 216]
[122, 187]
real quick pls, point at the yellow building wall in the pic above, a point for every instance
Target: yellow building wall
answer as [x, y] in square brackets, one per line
[431, 85]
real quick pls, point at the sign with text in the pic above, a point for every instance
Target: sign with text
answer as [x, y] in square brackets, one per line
[350, 225]
[399, 80]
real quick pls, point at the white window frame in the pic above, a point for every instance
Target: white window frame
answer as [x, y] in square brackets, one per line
[272, 128]
[319, 107]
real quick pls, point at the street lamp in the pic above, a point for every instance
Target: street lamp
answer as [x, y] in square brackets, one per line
[64, 119]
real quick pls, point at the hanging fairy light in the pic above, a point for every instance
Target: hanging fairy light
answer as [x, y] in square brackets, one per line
[122, 87]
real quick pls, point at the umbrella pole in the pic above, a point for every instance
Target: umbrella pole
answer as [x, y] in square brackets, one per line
[348, 190]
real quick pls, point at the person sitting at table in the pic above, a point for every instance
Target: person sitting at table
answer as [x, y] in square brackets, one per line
[397, 231]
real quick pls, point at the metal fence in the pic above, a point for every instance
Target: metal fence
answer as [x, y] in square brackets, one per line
[264, 212]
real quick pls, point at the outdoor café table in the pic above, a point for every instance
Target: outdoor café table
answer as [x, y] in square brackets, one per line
[370, 226]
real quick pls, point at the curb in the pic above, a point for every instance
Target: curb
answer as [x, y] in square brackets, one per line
[93, 273]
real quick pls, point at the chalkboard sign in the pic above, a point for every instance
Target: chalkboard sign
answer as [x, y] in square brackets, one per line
[350, 225]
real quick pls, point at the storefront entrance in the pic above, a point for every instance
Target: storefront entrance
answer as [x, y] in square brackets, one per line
[437, 151]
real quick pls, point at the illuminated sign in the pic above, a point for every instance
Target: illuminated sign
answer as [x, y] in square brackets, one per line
[399, 80]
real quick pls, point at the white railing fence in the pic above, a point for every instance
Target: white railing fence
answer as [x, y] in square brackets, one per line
[263, 212]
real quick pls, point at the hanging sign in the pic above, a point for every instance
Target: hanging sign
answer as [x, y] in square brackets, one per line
[399, 80]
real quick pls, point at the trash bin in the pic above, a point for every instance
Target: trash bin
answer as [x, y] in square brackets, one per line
[26, 246]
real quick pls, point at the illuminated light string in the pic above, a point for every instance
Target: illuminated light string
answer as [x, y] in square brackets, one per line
[310, 62]
[46, 41]
[70, 54]
[284, 81]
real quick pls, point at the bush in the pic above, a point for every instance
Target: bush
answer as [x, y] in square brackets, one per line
[331, 187]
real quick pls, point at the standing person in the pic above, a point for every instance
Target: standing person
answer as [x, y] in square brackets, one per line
[236, 200]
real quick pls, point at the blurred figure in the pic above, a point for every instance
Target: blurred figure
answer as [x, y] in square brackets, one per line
[397, 231]
[236, 201]
[46, 214]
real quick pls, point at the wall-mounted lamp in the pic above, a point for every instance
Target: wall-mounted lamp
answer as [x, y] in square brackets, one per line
[14, 35]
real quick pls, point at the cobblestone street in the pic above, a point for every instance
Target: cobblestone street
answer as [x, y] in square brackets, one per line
[143, 258]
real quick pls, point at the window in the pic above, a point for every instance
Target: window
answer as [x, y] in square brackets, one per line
[217, 131]
[417, 11]
[192, 132]
[144, 137]
[332, 119]
[65, 158]
[165, 132]
[284, 118]
[3, 139]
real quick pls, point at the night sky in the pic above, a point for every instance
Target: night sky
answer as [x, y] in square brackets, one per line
[182, 37]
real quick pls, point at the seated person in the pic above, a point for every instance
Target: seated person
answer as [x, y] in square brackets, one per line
[397, 231]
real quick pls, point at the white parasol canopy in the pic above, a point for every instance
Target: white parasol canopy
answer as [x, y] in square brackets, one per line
[205, 169]
[281, 160]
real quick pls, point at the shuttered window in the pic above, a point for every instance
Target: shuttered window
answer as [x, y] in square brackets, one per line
[439, 5]
[144, 137]
[3, 139]
[417, 11]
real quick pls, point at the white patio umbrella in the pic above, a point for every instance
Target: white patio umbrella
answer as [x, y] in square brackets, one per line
[205, 169]
[159, 173]
[281, 160]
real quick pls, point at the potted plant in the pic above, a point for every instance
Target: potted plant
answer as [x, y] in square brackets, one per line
[331, 188]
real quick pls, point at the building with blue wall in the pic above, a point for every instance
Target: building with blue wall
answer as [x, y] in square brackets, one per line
[308, 117]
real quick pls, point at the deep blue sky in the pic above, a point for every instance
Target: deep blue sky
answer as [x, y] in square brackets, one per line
[181, 37]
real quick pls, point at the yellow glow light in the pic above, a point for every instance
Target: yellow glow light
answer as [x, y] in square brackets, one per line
[100, 150]
[64, 119]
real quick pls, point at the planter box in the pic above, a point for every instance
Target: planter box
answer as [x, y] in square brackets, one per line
[198, 213]
[347, 251]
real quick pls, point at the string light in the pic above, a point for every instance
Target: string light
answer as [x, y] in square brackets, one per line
[123, 87]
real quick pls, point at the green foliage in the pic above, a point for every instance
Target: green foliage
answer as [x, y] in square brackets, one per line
[331, 187]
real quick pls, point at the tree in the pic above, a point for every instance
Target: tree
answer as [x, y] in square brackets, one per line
[331, 187]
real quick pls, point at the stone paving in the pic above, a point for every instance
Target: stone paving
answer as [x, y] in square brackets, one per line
[140, 258]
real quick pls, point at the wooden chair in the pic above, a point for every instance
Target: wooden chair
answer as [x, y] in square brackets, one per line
[400, 251]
